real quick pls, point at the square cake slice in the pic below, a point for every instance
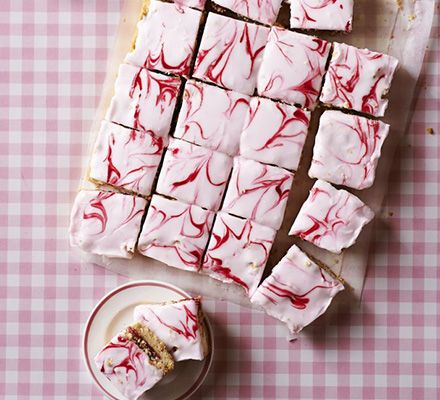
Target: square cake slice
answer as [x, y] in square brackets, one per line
[347, 149]
[134, 360]
[175, 233]
[230, 53]
[126, 158]
[144, 100]
[238, 251]
[331, 15]
[194, 175]
[179, 324]
[330, 218]
[106, 223]
[212, 117]
[264, 11]
[297, 291]
[274, 133]
[293, 67]
[358, 79]
[166, 38]
[258, 191]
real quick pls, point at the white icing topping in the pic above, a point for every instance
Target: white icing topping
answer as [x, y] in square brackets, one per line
[106, 223]
[230, 53]
[334, 15]
[264, 11]
[347, 149]
[274, 133]
[358, 79]
[166, 38]
[175, 233]
[293, 67]
[193, 174]
[126, 158]
[212, 117]
[258, 191]
[144, 100]
[177, 325]
[297, 291]
[330, 218]
[127, 367]
[238, 251]
[198, 4]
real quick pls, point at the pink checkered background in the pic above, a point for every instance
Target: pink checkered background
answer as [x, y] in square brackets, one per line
[53, 55]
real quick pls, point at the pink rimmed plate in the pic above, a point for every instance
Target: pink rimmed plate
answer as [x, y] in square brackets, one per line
[113, 312]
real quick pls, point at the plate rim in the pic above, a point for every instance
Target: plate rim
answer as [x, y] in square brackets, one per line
[148, 282]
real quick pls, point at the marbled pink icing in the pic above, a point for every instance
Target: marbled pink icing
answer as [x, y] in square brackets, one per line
[297, 291]
[193, 174]
[175, 233]
[198, 4]
[274, 133]
[330, 218]
[333, 15]
[127, 367]
[177, 325]
[106, 223]
[264, 11]
[212, 117]
[166, 38]
[293, 67]
[238, 251]
[258, 191]
[230, 53]
[347, 149]
[126, 158]
[144, 100]
[358, 79]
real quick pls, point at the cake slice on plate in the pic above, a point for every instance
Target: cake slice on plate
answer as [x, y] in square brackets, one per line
[179, 324]
[134, 360]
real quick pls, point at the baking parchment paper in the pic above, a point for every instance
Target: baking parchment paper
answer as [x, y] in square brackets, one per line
[398, 28]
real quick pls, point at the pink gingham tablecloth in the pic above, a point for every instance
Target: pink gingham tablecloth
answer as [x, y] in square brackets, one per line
[52, 65]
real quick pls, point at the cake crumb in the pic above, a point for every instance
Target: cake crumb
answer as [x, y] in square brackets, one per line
[411, 17]
[430, 131]
[110, 362]
[399, 4]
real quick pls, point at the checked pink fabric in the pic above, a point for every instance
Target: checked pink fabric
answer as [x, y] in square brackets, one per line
[52, 65]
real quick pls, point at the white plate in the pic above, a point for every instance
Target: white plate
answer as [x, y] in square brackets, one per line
[115, 311]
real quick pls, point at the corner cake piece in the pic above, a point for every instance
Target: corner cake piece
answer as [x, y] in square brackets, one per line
[230, 53]
[144, 100]
[106, 223]
[179, 324]
[134, 360]
[126, 158]
[166, 38]
[293, 67]
[297, 291]
[264, 11]
[175, 233]
[212, 117]
[358, 79]
[330, 218]
[332, 15]
[193, 174]
[347, 149]
[258, 191]
[238, 251]
[274, 133]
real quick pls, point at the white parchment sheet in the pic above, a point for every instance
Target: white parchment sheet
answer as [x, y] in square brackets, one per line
[399, 28]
